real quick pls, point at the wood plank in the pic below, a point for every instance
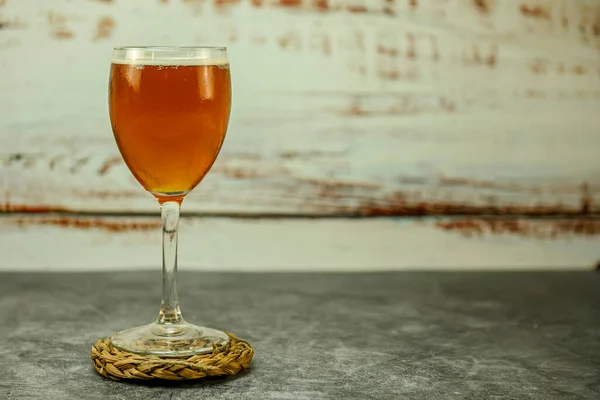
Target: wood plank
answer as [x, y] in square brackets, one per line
[68, 243]
[340, 107]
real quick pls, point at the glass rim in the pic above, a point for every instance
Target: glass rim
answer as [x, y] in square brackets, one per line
[170, 55]
[170, 48]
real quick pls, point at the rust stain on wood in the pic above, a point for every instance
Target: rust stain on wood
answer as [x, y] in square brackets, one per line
[291, 40]
[290, 3]
[357, 8]
[587, 200]
[399, 206]
[578, 70]
[434, 46]
[589, 24]
[78, 164]
[483, 6]
[30, 163]
[492, 58]
[382, 7]
[586, 196]
[477, 184]
[388, 8]
[539, 66]
[104, 28]
[535, 11]
[108, 164]
[403, 105]
[89, 223]
[410, 47]
[409, 204]
[321, 5]
[15, 157]
[321, 42]
[21, 208]
[541, 229]
[339, 189]
[11, 24]
[371, 200]
[55, 160]
[367, 199]
[225, 3]
[58, 26]
[477, 57]
[237, 172]
[389, 51]
[307, 155]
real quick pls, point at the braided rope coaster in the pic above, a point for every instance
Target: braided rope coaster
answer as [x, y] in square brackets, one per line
[115, 364]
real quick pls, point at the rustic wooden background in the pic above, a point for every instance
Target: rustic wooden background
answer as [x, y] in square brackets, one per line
[364, 134]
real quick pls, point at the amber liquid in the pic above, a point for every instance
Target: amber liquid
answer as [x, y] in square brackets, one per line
[169, 122]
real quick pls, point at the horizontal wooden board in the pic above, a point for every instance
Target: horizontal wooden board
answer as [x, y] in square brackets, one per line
[340, 106]
[58, 243]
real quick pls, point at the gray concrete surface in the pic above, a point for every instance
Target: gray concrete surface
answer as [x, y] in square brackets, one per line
[319, 336]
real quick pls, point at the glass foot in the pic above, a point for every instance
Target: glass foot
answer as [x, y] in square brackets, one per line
[170, 340]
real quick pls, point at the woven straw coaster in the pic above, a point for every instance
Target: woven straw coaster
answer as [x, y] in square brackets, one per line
[116, 364]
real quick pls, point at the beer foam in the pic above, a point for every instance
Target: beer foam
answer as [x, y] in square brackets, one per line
[170, 56]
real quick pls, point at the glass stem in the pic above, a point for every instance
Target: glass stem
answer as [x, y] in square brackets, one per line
[169, 308]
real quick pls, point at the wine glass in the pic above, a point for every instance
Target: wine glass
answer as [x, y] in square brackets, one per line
[169, 110]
